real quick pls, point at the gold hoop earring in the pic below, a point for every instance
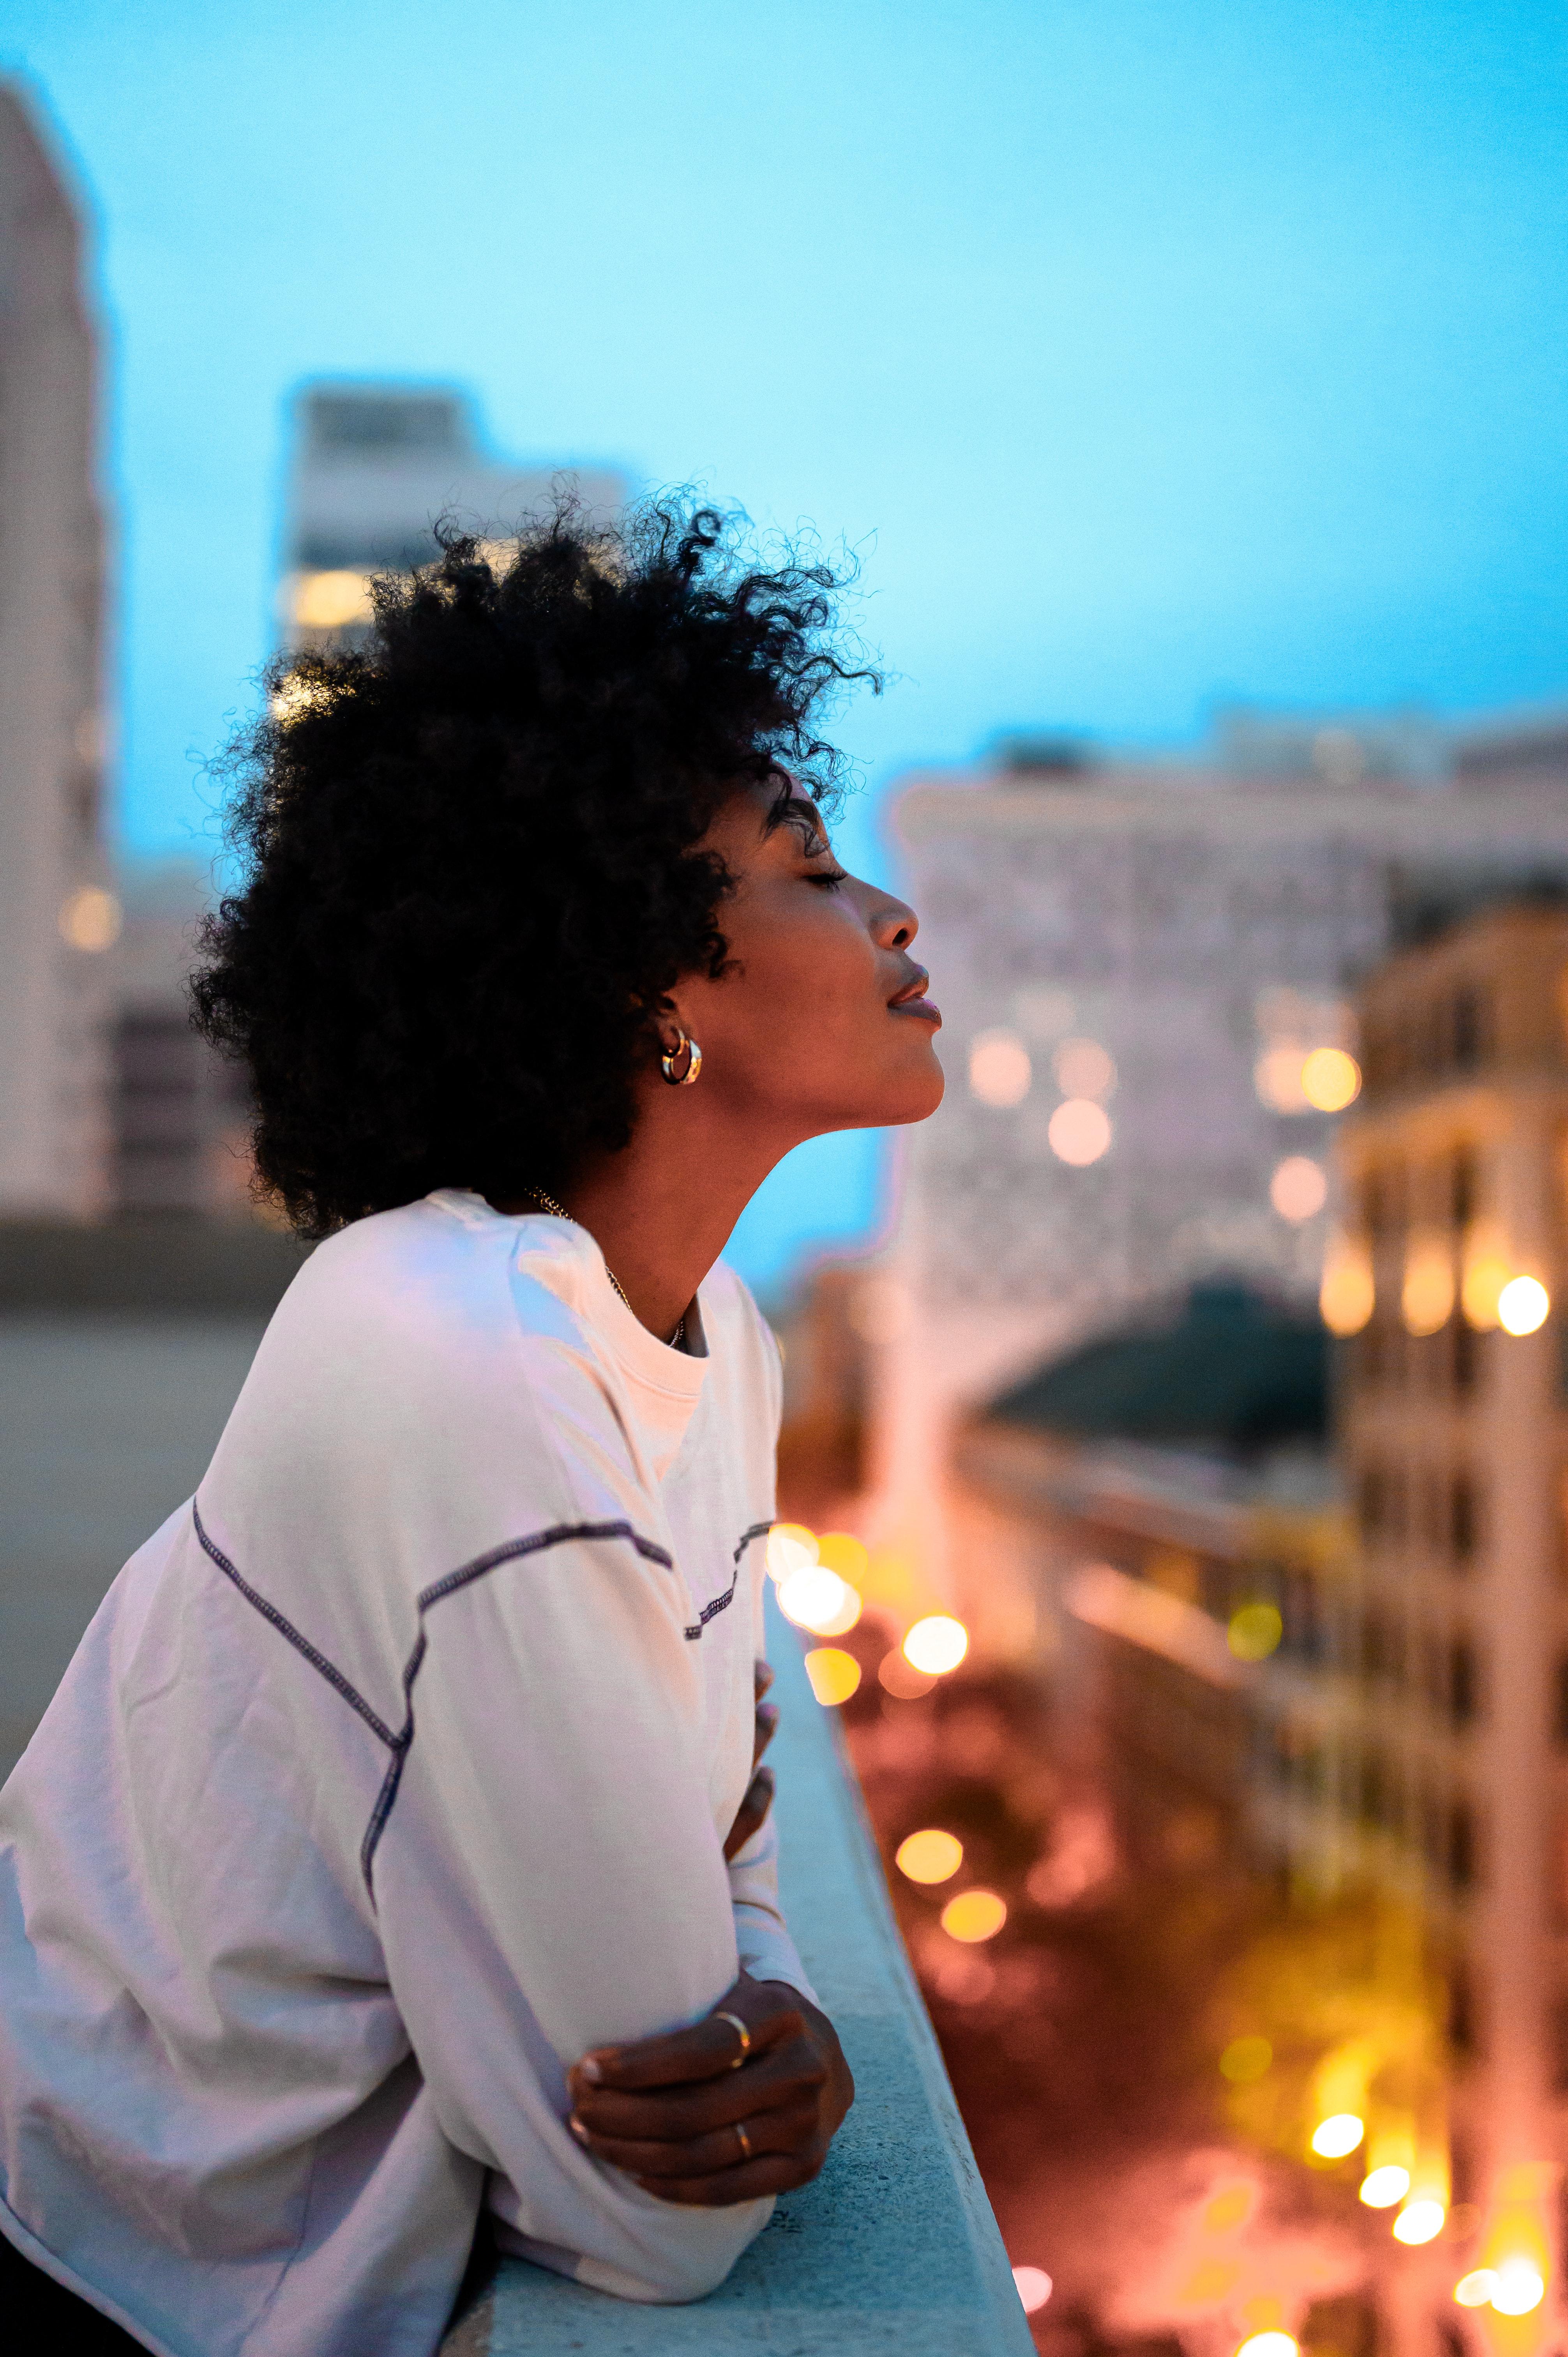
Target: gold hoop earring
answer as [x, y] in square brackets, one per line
[693, 1062]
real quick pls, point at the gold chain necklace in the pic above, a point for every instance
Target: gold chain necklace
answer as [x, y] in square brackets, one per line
[559, 1211]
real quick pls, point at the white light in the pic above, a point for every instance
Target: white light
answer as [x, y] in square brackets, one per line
[1299, 1188]
[816, 1599]
[1332, 2138]
[1079, 1131]
[1522, 1305]
[1033, 2287]
[1419, 2222]
[327, 601]
[1476, 2290]
[999, 1069]
[936, 1644]
[791, 1547]
[1269, 2344]
[1383, 2187]
[1518, 2289]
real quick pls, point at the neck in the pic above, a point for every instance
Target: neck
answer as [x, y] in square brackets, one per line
[663, 1209]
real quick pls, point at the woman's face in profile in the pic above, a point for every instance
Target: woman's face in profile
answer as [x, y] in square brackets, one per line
[819, 1021]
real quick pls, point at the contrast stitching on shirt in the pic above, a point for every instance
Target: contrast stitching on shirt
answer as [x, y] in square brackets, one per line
[758, 1530]
[398, 1744]
[318, 1660]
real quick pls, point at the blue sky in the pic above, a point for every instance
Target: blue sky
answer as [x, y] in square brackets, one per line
[1147, 355]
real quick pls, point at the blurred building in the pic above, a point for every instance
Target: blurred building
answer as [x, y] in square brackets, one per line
[57, 914]
[1163, 1504]
[179, 1114]
[374, 469]
[1146, 974]
[1451, 1276]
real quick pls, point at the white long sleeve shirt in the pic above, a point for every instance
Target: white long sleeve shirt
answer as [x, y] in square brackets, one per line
[392, 1773]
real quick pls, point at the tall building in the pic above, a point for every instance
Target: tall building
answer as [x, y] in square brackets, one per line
[57, 914]
[374, 469]
[1454, 1430]
[1146, 974]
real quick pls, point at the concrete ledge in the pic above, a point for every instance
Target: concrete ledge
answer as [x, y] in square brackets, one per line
[894, 2249]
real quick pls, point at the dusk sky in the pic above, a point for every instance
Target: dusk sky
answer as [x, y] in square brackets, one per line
[1146, 356]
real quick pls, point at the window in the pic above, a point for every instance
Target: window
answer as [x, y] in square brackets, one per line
[1462, 1187]
[1462, 1865]
[1469, 1028]
[1462, 1520]
[1464, 1682]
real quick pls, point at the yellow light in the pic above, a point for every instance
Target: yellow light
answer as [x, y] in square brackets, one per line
[1349, 1294]
[1518, 2288]
[1330, 1079]
[90, 919]
[1079, 1131]
[816, 1599]
[844, 1555]
[1255, 1633]
[1000, 1072]
[1269, 2344]
[1245, 2058]
[1339, 2134]
[1083, 1068]
[1033, 2287]
[1485, 1272]
[930, 1856]
[1476, 2290]
[1426, 1298]
[329, 601]
[791, 1547]
[293, 697]
[1299, 1188]
[1421, 2222]
[936, 1644]
[834, 1675]
[1522, 1305]
[973, 1916]
[1381, 2188]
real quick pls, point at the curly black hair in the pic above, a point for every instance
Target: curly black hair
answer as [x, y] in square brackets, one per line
[471, 848]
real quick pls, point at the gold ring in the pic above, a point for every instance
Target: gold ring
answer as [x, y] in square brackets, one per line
[735, 2022]
[746, 2151]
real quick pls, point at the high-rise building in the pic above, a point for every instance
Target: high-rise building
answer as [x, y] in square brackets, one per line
[1454, 1431]
[1146, 973]
[57, 913]
[374, 469]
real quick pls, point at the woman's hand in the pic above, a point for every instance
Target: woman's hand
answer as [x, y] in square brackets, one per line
[698, 2117]
[753, 1810]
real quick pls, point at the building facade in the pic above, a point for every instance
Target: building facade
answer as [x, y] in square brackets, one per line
[1147, 977]
[1454, 1432]
[58, 915]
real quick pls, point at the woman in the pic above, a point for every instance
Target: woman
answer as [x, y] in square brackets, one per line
[392, 1849]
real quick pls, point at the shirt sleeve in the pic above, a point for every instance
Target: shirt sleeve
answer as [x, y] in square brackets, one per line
[548, 1876]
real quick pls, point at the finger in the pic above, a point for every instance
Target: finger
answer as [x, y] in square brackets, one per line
[677, 2114]
[792, 2133]
[761, 1679]
[705, 2050]
[752, 1814]
[777, 2173]
[766, 1728]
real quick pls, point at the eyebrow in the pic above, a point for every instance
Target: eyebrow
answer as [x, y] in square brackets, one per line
[798, 810]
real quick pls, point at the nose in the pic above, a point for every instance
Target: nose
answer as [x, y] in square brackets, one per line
[894, 923]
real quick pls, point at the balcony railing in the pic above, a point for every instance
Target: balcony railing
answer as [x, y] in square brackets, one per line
[894, 2249]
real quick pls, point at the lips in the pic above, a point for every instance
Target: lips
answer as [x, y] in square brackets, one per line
[912, 1000]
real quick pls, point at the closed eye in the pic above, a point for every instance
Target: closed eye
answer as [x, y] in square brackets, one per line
[830, 878]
